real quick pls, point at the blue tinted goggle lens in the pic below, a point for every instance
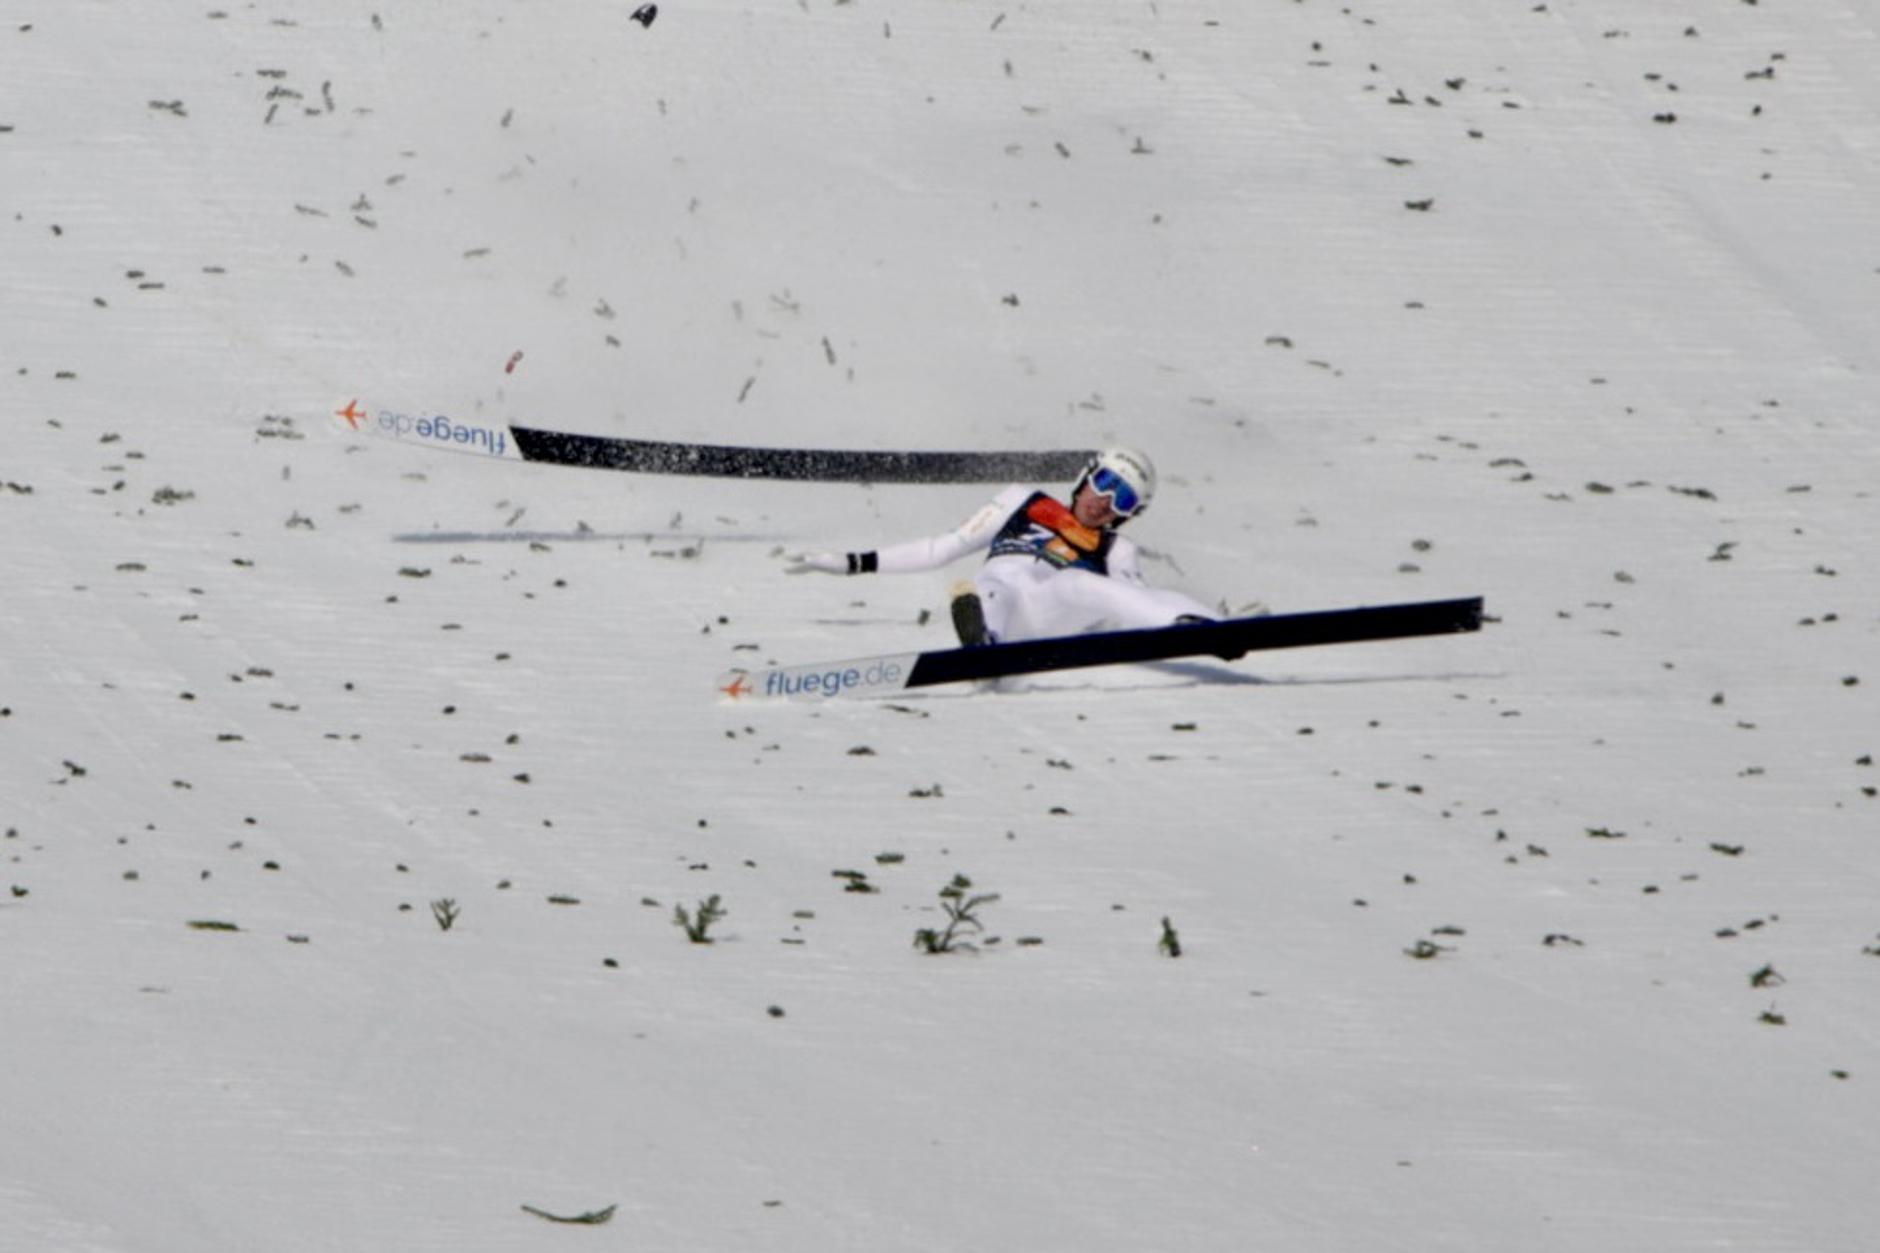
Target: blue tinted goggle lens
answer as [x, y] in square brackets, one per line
[1122, 496]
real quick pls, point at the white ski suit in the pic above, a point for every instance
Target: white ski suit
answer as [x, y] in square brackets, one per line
[1046, 575]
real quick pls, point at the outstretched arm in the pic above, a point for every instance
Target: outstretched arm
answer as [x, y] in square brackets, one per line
[911, 556]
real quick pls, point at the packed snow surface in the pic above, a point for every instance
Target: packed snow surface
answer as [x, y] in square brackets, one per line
[1563, 936]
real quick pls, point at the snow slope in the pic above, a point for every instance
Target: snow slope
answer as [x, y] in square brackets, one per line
[1570, 305]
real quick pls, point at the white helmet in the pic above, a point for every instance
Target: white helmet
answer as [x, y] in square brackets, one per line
[1126, 476]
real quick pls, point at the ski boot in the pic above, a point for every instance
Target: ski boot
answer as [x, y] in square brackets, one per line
[969, 617]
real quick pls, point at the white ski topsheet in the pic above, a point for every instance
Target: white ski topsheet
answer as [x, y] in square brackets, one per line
[884, 675]
[361, 416]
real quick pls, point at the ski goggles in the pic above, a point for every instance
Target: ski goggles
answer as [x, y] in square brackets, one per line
[1123, 497]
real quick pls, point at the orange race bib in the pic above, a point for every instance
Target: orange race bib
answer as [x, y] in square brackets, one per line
[1074, 539]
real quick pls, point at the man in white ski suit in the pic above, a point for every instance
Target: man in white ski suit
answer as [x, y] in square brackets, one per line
[1054, 569]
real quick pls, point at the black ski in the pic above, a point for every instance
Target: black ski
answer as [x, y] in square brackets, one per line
[808, 465]
[1228, 639]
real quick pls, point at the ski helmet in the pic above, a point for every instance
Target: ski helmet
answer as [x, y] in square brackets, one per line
[1126, 476]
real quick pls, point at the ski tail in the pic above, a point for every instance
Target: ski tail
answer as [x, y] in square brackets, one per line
[823, 680]
[429, 430]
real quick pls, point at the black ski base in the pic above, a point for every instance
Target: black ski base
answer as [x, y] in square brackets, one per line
[808, 465]
[1229, 638]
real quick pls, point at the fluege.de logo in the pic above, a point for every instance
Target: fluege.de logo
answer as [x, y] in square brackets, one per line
[833, 681]
[433, 429]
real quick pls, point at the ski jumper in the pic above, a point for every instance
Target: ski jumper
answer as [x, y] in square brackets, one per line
[1046, 574]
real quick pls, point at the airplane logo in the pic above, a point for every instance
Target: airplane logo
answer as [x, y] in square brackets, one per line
[739, 685]
[352, 413]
